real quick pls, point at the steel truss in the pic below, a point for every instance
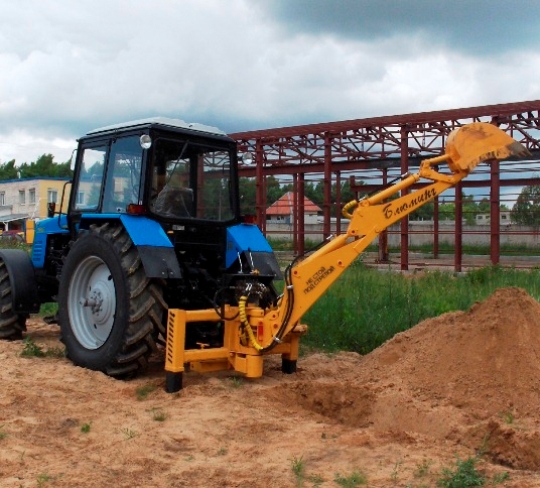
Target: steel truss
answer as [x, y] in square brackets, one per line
[377, 148]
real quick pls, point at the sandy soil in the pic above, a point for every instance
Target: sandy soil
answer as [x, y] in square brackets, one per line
[455, 386]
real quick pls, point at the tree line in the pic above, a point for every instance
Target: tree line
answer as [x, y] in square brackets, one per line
[526, 210]
[42, 167]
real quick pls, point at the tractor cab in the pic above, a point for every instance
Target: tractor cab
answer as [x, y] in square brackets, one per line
[167, 169]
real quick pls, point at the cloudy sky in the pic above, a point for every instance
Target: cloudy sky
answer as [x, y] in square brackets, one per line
[67, 67]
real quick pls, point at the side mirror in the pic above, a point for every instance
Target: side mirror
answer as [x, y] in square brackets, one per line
[73, 160]
[51, 207]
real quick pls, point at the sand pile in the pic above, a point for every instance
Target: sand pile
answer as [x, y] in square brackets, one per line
[485, 360]
[471, 377]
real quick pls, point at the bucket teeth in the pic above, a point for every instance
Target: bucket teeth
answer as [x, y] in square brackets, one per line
[518, 150]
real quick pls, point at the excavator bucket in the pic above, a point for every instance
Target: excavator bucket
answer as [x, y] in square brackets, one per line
[473, 143]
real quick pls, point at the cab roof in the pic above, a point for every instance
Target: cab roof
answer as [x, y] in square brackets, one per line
[159, 121]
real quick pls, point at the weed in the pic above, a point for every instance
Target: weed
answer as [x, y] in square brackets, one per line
[395, 472]
[143, 391]
[86, 427]
[500, 478]
[508, 417]
[422, 469]
[222, 451]
[299, 469]
[356, 479]
[3, 434]
[316, 479]
[463, 475]
[158, 415]
[31, 349]
[236, 381]
[48, 309]
[55, 352]
[129, 433]
[43, 478]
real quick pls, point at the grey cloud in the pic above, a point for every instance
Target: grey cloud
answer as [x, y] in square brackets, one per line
[479, 27]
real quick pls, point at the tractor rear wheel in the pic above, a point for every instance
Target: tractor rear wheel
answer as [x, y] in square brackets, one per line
[12, 325]
[110, 312]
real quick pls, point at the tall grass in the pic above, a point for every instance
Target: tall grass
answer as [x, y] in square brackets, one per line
[366, 307]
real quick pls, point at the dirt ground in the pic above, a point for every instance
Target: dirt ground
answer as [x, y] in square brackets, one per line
[460, 385]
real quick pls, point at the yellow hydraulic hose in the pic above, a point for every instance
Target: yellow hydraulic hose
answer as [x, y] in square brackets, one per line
[243, 318]
[348, 206]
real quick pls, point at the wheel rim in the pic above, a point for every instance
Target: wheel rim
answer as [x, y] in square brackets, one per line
[92, 302]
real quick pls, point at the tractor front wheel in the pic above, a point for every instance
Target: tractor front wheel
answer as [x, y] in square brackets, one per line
[109, 311]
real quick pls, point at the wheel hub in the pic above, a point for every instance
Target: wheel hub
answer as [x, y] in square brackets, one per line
[92, 313]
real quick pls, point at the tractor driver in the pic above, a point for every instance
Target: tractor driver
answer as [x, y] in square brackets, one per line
[176, 198]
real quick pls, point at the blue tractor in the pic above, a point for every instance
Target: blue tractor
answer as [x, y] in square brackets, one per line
[153, 223]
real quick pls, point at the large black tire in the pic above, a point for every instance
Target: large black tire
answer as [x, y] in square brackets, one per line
[110, 312]
[12, 325]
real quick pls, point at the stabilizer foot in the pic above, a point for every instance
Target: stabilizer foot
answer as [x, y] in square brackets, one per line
[173, 382]
[288, 366]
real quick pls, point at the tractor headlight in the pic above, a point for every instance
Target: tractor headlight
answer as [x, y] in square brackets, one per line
[145, 141]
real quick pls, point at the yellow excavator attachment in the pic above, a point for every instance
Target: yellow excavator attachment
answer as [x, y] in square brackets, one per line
[251, 332]
[479, 141]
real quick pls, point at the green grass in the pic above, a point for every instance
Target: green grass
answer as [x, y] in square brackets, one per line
[143, 391]
[366, 307]
[158, 414]
[355, 479]
[31, 349]
[236, 381]
[12, 244]
[299, 470]
[48, 309]
[464, 474]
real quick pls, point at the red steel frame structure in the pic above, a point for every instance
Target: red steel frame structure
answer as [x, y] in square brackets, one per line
[336, 150]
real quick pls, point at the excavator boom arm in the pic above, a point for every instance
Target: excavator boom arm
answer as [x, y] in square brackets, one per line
[466, 147]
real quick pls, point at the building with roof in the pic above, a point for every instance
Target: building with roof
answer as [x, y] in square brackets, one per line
[282, 211]
[27, 198]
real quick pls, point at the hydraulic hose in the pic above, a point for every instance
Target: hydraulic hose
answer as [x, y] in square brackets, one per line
[288, 292]
[345, 211]
[243, 319]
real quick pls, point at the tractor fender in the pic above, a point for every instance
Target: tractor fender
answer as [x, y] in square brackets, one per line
[155, 248]
[24, 290]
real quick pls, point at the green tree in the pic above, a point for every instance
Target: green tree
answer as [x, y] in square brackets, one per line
[248, 193]
[8, 171]
[447, 211]
[315, 192]
[275, 190]
[526, 210]
[248, 197]
[425, 212]
[44, 166]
